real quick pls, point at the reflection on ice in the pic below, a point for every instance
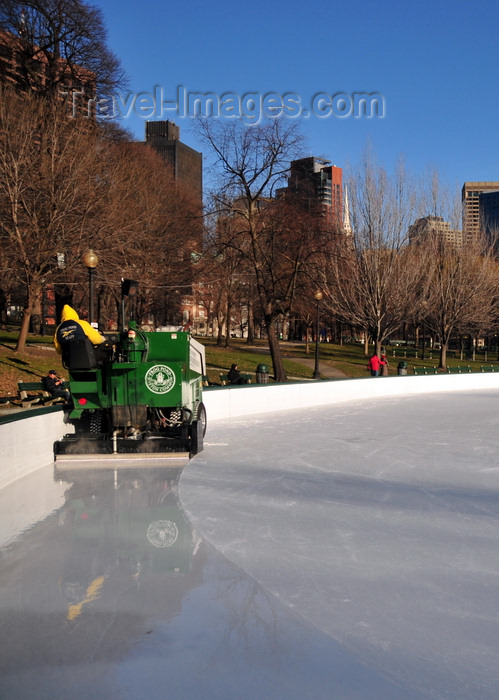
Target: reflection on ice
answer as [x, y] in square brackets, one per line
[124, 527]
[97, 571]
[113, 594]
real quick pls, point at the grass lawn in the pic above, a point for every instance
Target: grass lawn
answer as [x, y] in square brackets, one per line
[27, 366]
[40, 356]
[349, 358]
[219, 358]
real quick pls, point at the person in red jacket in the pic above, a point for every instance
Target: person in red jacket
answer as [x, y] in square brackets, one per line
[374, 365]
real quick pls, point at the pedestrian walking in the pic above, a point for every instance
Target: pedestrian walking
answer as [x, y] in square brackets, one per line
[374, 365]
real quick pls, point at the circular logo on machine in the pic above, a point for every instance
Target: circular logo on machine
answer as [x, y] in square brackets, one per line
[160, 379]
[162, 533]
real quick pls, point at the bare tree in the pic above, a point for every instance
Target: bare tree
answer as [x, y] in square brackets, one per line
[224, 269]
[463, 289]
[47, 189]
[61, 43]
[276, 240]
[147, 226]
[65, 189]
[373, 279]
[437, 199]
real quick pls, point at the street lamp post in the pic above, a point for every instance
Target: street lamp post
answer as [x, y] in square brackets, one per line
[129, 289]
[425, 311]
[90, 260]
[317, 374]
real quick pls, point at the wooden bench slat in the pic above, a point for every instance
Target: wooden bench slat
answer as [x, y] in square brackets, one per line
[32, 393]
[225, 379]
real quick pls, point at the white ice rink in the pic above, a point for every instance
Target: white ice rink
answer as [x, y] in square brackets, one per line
[377, 521]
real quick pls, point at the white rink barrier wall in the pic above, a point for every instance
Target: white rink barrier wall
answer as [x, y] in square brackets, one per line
[255, 399]
[26, 440]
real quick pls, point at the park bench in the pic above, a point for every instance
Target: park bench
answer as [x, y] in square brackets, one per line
[405, 352]
[32, 393]
[425, 370]
[225, 379]
[489, 368]
[460, 369]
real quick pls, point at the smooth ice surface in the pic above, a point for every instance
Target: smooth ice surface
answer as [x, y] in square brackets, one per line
[347, 552]
[377, 522]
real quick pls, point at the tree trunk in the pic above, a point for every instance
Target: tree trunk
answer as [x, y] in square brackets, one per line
[227, 324]
[219, 331]
[31, 297]
[36, 319]
[251, 324]
[275, 351]
[443, 356]
[3, 310]
[23, 333]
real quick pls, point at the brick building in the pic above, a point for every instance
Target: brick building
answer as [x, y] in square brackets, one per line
[28, 68]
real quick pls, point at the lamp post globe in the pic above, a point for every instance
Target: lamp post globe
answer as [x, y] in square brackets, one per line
[318, 298]
[90, 260]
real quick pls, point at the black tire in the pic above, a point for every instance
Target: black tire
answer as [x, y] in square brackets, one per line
[96, 422]
[201, 417]
[82, 424]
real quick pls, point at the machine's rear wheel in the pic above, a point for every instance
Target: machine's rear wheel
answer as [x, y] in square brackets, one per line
[96, 422]
[201, 417]
[82, 424]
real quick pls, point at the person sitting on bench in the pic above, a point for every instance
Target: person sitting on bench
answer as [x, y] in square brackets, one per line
[234, 376]
[55, 385]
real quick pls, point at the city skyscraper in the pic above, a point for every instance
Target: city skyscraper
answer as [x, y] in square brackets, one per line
[315, 181]
[489, 216]
[187, 164]
[470, 198]
[433, 226]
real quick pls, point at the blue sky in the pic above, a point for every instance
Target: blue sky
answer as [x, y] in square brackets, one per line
[434, 62]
